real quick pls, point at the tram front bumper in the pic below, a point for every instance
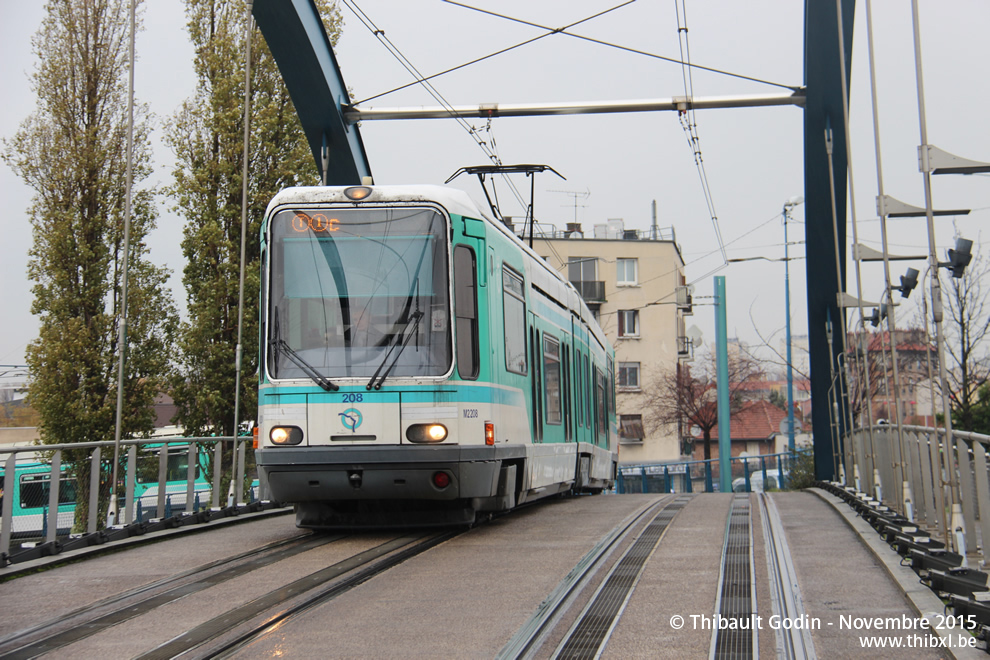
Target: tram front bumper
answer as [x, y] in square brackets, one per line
[318, 474]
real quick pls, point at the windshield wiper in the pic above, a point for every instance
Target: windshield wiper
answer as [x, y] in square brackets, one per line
[307, 368]
[404, 337]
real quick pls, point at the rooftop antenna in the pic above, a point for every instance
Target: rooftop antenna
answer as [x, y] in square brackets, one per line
[529, 170]
[576, 195]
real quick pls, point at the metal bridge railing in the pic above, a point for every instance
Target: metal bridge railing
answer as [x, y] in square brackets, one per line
[162, 482]
[749, 474]
[941, 486]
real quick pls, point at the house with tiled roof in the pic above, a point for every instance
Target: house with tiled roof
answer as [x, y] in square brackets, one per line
[752, 430]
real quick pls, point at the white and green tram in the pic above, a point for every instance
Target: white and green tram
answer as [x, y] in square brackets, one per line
[420, 364]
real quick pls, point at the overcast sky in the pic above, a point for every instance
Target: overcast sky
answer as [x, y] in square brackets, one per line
[753, 157]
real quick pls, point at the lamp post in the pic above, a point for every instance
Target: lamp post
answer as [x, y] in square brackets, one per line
[788, 205]
[794, 201]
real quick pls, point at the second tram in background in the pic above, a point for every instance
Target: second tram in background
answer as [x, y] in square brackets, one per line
[420, 364]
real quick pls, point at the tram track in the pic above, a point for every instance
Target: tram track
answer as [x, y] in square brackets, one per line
[97, 617]
[576, 620]
[736, 595]
[215, 638]
[237, 627]
[654, 518]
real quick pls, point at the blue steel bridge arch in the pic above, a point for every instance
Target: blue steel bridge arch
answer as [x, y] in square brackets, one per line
[299, 43]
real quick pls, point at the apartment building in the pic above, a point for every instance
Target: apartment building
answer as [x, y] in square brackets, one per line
[630, 280]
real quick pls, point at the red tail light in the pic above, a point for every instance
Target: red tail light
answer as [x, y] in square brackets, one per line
[489, 433]
[441, 479]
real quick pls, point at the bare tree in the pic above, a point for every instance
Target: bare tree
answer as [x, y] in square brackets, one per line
[780, 359]
[686, 396]
[967, 326]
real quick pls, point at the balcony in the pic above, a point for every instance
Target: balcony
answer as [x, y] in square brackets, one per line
[592, 292]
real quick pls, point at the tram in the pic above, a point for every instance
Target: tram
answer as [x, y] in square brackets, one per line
[420, 364]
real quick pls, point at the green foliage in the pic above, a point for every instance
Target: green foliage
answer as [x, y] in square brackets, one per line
[778, 399]
[977, 417]
[801, 470]
[207, 137]
[71, 151]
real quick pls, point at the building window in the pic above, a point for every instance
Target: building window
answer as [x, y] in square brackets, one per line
[582, 272]
[582, 269]
[629, 375]
[631, 428]
[628, 322]
[626, 272]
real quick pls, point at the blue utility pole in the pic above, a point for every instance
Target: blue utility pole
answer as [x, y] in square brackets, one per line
[791, 203]
[790, 362]
[722, 385]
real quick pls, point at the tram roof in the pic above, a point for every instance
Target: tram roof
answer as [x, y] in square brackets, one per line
[456, 201]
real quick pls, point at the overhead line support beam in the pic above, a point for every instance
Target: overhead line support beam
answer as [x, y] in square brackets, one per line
[354, 114]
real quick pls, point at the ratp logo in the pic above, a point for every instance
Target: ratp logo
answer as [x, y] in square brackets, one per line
[351, 418]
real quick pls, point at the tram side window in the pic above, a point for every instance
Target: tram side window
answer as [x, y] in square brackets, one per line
[514, 311]
[610, 386]
[466, 311]
[578, 396]
[35, 489]
[551, 375]
[600, 404]
[589, 384]
[175, 468]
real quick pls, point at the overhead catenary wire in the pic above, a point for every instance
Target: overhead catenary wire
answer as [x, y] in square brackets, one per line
[550, 32]
[420, 79]
[490, 150]
[564, 31]
[690, 125]
[407, 64]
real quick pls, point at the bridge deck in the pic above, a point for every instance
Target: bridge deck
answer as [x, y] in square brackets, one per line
[468, 596]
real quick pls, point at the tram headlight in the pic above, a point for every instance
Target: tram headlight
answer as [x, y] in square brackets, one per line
[420, 433]
[285, 435]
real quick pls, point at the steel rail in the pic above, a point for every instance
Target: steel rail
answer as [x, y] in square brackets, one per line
[531, 634]
[282, 604]
[97, 617]
[785, 593]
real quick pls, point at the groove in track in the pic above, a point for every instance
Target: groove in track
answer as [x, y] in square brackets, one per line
[117, 609]
[363, 567]
[588, 635]
[737, 591]
[785, 595]
[529, 636]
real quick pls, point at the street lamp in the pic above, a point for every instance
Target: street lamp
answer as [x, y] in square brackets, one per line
[788, 206]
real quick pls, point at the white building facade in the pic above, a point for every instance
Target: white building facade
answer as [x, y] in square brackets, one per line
[630, 279]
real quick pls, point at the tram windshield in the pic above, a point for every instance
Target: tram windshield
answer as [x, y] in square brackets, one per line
[358, 293]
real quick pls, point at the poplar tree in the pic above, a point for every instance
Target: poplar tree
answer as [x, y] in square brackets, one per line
[71, 151]
[206, 135]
